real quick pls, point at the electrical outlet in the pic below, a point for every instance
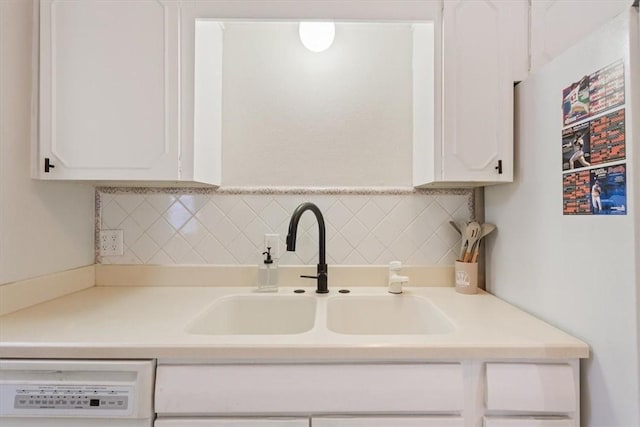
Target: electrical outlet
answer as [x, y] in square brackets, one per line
[111, 242]
[272, 241]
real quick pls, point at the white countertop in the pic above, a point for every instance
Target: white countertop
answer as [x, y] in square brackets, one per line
[149, 322]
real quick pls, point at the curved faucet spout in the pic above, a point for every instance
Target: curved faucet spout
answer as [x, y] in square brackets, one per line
[291, 242]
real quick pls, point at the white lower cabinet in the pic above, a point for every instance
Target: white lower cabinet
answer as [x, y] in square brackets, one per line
[434, 421]
[342, 421]
[463, 393]
[531, 387]
[233, 422]
[303, 389]
[532, 395]
[528, 422]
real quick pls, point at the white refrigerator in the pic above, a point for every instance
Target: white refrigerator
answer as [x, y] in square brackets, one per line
[568, 243]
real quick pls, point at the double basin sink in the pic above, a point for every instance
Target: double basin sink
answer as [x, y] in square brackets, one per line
[286, 313]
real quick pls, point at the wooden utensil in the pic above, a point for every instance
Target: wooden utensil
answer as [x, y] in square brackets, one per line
[463, 242]
[472, 234]
[485, 229]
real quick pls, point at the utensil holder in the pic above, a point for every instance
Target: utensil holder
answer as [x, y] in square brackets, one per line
[466, 275]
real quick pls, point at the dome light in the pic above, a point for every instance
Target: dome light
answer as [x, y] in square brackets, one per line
[317, 36]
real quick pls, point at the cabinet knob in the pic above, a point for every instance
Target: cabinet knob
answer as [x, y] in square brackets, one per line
[48, 165]
[499, 167]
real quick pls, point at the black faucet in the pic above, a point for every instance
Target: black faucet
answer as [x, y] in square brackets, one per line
[291, 242]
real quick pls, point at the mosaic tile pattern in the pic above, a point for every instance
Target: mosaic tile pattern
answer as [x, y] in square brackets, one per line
[193, 227]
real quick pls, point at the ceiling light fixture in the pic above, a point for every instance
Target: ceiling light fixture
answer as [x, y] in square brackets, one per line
[317, 36]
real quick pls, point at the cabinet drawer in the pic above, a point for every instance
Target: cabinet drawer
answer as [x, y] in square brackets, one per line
[309, 388]
[528, 422]
[381, 421]
[233, 422]
[529, 387]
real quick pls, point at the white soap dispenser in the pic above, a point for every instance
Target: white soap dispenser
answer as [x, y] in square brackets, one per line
[268, 273]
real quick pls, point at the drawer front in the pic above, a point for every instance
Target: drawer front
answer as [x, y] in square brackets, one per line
[233, 422]
[529, 422]
[434, 421]
[309, 388]
[529, 387]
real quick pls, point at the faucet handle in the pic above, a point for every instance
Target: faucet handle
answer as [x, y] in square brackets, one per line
[395, 280]
[395, 265]
[321, 277]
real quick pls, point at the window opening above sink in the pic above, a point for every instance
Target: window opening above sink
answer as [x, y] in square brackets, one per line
[346, 116]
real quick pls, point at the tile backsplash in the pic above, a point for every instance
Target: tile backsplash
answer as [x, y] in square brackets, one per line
[200, 226]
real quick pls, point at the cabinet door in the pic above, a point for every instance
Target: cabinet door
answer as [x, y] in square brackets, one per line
[478, 92]
[531, 387]
[518, 27]
[232, 422]
[381, 421]
[109, 89]
[309, 388]
[529, 422]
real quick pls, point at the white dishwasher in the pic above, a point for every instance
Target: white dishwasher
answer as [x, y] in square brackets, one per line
[75, 393]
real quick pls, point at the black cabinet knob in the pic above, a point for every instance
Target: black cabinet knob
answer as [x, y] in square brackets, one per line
[48, 165]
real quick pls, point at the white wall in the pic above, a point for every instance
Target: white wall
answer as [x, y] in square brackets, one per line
[559, 24]
[635, 90]
[44, 227]
[576, 272]
[342, 117]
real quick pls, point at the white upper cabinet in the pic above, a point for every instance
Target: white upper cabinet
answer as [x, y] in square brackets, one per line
[558, 24]
[127, 94]
[109, 92]
[477, 132]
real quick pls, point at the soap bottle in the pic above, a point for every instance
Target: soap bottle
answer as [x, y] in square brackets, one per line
[268, 273]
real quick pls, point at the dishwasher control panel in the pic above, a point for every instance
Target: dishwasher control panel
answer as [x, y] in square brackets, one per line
[52, 397]
[36, 399]
[76, 393]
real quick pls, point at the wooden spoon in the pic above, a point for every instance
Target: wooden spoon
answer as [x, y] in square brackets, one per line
[472, 234]
[485, 229]
[463, 242]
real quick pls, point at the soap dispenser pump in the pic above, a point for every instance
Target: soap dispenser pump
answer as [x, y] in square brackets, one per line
[268, 273]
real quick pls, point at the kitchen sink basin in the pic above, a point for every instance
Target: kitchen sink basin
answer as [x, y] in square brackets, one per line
[256, 315]
[385, 315]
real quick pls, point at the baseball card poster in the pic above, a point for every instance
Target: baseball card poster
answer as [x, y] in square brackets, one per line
[575, 104]
[607, 138]
[576, 146]
[576, 193]
[594, 144]
[606, 88]
[608, 193]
